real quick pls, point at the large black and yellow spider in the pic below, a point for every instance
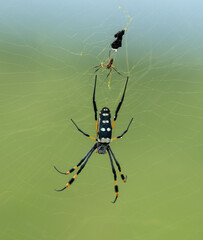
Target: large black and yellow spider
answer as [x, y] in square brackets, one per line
[104, 132]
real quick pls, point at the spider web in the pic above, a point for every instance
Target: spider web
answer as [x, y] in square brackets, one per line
[48, 51]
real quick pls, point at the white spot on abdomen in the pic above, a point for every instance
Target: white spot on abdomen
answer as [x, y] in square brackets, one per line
[108, 129]
[103, 129]
[105, 121]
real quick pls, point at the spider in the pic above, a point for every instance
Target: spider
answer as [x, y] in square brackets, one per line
[102, 145]
[108, 65]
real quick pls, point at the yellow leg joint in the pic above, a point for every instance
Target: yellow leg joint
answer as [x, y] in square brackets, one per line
[113, 138]
[96, 125]
[113, 124]
[93, 138]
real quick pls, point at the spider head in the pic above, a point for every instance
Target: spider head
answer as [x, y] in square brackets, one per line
[102, 147]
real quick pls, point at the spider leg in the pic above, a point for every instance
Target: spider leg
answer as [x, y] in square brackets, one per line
[115, 176]
[98, 68]
[94, 103]
[73, 169]
[108, 73]
[81, 168]
[118, 165]
[109, 54]
[123, 132]
[116, 70]
[119, 105]
[87, 135]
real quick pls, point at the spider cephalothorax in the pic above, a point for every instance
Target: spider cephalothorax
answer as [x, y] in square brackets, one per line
[104, 137]
[102, 147]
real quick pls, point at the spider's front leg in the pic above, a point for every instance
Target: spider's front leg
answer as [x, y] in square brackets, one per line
[73, 169]
[86, 158]
[118, 165]
[115, 176]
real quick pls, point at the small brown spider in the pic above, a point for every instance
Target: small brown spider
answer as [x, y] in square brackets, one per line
[109, 65]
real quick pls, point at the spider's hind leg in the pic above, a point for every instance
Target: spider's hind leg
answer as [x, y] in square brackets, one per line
[98, 67]
[108, 73]
[120, 136]
[94, 103]
[114, 68]
[87, 135]
[119, 105]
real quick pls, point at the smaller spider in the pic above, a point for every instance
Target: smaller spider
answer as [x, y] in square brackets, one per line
[109, 65]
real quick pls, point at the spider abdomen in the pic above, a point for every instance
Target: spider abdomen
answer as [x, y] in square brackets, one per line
[104, 126]
[110, 63]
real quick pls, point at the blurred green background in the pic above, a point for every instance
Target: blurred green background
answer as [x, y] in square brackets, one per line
[47, 51]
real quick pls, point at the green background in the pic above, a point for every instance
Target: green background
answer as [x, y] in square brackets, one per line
[47, 54]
